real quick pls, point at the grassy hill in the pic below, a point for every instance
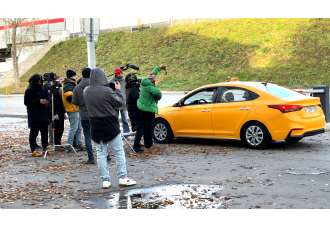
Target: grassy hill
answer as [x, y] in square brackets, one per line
[294, 51]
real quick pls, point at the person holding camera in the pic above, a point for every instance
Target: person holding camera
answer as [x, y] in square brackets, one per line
[118, 77]
[36, 104]
[73, 112]
[132, 95]
[101, 102]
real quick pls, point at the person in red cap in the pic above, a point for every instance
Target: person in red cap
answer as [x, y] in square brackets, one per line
[123, 109]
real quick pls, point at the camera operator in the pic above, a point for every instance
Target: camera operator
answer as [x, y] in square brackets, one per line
[101, 101]
[73, 112]
[132, 95]
[36, 103]
[123, 109]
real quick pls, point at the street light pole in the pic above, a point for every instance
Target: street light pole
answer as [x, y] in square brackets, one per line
[91, 47]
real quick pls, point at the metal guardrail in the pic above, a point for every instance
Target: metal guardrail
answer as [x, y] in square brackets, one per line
[310, 91]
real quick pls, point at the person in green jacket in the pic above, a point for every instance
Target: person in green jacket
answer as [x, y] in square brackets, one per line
[147, 104]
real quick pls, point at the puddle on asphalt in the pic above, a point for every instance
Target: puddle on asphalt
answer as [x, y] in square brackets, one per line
[306, 171]
[181, 196]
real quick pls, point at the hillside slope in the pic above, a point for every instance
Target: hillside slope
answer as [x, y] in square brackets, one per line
[295, 52]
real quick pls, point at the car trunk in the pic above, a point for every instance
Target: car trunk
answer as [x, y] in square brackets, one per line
[311, 106]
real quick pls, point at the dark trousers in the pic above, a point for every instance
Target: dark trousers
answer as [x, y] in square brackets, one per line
[88, 140]
[34, 131]
[138, 136]
[59, 128]
[148, 121]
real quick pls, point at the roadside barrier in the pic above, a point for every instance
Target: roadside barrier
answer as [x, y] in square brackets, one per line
[321, 91]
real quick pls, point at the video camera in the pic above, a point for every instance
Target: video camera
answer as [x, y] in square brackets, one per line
[51, 79]
[127, 66]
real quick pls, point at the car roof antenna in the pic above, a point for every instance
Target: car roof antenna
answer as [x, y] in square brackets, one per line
[265, 83]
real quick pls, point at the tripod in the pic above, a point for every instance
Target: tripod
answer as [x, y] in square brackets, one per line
[54, 87]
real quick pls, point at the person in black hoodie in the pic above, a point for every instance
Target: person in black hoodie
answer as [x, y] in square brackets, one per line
[132, 95]
[36, 104]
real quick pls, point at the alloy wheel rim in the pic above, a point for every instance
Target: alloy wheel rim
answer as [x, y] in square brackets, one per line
[160, 132]
[254, 135]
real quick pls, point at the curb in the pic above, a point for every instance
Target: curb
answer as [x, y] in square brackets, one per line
[13, 116]
[12, 95]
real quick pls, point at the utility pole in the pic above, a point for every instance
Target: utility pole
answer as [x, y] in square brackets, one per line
[91, 47]
[91, 28]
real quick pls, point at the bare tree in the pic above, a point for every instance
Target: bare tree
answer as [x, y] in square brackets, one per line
[22, 32]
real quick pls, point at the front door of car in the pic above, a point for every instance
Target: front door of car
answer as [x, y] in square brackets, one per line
[194, 116]
[232, 107]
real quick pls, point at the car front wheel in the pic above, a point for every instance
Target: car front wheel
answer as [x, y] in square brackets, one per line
[162, 132]
[255, 135]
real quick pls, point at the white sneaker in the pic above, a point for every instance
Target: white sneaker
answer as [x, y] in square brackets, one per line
[126, 182]
[106, 184]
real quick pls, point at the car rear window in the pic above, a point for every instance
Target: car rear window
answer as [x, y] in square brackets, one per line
[279, 91]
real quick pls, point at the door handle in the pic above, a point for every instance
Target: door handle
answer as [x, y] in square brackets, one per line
[206, 110]
[244, 108]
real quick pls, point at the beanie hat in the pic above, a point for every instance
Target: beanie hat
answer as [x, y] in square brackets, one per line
[86, 73]
[152, 78]
[118, 71]
[70, 73]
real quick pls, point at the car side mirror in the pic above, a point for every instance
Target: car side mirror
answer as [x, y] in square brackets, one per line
[179, 103]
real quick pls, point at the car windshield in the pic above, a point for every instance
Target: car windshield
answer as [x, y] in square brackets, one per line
[279, 91]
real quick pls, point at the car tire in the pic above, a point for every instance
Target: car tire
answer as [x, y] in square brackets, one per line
[255, 135]
[292, 140]
[162, 132]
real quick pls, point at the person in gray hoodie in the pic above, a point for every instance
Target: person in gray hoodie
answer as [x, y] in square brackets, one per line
[123, 109]
[101, 102]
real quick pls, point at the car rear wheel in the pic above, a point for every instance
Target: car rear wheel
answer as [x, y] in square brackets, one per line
[255, 135]
[162, 132]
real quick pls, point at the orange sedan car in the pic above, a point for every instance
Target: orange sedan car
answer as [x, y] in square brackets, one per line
[254, 112]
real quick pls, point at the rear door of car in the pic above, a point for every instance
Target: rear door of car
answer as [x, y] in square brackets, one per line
[231, 108]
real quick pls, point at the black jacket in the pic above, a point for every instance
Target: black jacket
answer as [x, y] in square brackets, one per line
[37, 113]
[78, 98]
[132, 95]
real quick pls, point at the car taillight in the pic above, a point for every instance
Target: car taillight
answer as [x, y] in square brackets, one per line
[286, 108]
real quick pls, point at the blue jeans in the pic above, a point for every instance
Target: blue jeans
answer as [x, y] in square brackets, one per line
[123, 114]
[88, 141]
[102, 152]
[75, 128]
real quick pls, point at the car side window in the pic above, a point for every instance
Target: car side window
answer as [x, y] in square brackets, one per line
[204, 96]
[234, 94]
